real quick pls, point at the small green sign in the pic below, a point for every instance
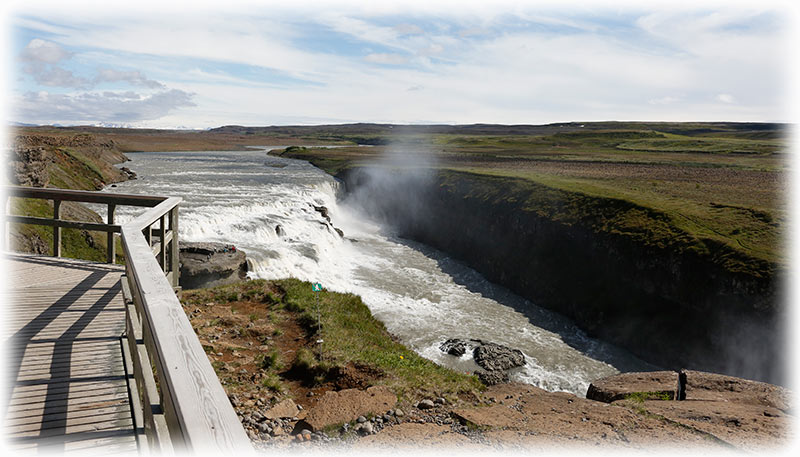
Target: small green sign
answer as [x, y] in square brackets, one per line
[317, 287]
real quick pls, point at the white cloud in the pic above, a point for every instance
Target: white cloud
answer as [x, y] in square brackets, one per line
[408, 29]
[89, 107]
[726, 98]
[43, 51]
[134, 77]
[663, 100]
[387, 59]
[55, 76]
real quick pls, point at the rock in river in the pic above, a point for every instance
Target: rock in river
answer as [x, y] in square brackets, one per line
[491, 356]
[211, 264]
[454, 346]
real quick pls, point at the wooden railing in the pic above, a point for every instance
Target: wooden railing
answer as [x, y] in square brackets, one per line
[176, 396]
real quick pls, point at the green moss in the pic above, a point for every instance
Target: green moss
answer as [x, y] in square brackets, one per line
[641, 397]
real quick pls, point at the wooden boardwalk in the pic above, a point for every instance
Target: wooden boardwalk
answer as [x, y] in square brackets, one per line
[66, 388]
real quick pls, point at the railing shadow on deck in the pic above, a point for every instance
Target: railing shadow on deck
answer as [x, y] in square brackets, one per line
[176, 397]
[54, 369]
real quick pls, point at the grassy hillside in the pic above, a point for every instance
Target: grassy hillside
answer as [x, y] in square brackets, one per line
[263, 336]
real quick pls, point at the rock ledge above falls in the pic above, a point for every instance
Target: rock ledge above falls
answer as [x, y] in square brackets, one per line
[206, 264]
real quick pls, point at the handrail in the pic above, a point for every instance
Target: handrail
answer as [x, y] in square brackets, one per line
[177, 397]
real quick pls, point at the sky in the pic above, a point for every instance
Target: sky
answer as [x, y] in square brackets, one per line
[202, 65]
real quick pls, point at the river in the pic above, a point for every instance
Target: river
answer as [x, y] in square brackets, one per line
[422, 296]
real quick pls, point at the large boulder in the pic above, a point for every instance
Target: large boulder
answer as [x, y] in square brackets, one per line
[491, 356]
[651, 384]
[211, 264]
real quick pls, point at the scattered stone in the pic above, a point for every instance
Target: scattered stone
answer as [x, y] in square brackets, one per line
[399, 412]
[279, 230]
[425, 404]
[365, 429]
[285, 409]
[361, 419]
[440, 401]
[491, 378]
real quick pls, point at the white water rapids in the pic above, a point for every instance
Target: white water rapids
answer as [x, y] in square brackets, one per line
[422, 296]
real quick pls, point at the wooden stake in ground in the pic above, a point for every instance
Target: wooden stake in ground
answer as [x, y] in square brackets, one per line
[317, 288]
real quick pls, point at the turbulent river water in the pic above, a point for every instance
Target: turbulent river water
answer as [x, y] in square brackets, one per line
[423, 296]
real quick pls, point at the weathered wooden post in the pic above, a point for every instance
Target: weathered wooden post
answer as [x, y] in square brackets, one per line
[174, 248]
[163, 243]
[111, 248]
[6, 225]
[56, 228]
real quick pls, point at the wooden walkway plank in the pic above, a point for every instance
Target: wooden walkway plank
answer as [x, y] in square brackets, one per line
[68, 389]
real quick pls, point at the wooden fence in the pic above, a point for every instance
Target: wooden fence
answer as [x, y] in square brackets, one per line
[176, 395]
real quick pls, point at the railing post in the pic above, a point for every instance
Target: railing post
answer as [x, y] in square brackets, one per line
[111, 248]
[6, 225]
[56, 229]
[163, 243]
[174, 248]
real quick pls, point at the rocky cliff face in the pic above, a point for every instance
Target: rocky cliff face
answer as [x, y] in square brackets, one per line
[68, 161]
[43, 157]
[672, 306]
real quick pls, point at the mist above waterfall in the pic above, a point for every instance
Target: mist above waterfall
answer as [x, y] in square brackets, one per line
[396, 188]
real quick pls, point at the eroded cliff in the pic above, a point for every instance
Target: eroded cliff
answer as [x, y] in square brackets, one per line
[621, 271]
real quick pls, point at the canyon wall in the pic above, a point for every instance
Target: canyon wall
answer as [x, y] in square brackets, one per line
[643, 285]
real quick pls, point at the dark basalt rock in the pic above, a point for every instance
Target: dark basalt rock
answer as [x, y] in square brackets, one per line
[454, 346]
[211, 264]
[323, 211]
[491, 357]
[128, 172]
